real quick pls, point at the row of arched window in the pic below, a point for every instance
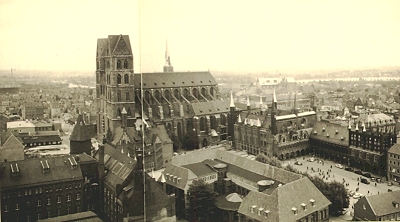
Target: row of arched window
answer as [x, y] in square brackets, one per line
[119, 96]
[119, 79]
[120, 65]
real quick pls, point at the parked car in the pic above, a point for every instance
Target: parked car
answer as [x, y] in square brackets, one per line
[312, 159]
[367, 174]
[363, 180]
[372, 179]
[357, 195]
[339, 166]
[349, 169]
[358, 172]
[298, 163]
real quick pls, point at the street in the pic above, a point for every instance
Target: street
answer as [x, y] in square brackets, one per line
[340, 175]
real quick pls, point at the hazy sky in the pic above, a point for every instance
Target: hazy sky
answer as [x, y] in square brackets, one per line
[232, 35]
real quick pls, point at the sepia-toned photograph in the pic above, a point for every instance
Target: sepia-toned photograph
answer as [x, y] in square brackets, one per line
[199, 111]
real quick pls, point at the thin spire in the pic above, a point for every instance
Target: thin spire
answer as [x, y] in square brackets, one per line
[349, 124]
[232, 103]
[258, 122]
[357, 127]
[162, 178]
[239, 119]
[274, 97]
[364, 130]
[248, 101]
[167, 57]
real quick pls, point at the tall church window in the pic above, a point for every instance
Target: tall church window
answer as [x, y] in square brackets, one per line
[118, 64]
[125, 64]
[119, 96]
[127, 95]
[119, 79]
[126, 79]
[203, 124]
[108, 64]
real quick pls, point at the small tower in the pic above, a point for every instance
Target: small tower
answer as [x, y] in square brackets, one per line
[167, 67]
[274, 128]
[80, 139]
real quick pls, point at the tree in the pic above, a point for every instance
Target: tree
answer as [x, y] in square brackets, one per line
[201, 201]
[273, 161]
[190, 140]
[335, 192]
[175, 140]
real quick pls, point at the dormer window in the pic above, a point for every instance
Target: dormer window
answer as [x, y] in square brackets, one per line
[323, 129]
[327, 135]
[395, 204]
[337, 132]
[342, 138]
[312, 201]
[14, 169]
[294, 210]
[315, 132]
[304, 206]
[266, 213]
[252, 208]
[260, 210]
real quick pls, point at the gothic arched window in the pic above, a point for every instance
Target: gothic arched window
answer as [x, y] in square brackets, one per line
[118, 64]
[126, 79]
[127, 95]
[125, 64]
[118, 79]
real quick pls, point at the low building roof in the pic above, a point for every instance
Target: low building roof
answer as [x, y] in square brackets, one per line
[19, 124]
[382, 204]
[200, 169]
[211, 107]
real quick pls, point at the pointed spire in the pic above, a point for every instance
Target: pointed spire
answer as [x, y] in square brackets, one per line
[357, 127]
[258, 122]
[167, 58]
[162, 178]
[232, 103]
[135, 158]
[349, 124]
[122, 150]
[239, 119]
[248, 101]
[123, 111]
[129, 155]
[364, 130]
[274, 97]
[261, 102]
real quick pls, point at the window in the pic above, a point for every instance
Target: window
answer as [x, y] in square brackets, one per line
[119, 96]
[127, 95]
[126, 79]
[48, 214]
[68, 197]
[16, 206]
[48, 201]
[68, 210]
[39, 216]
[5, 208]
[78, 208]
[119, 79]
[78, 196]
[118, 64]
[39, 203]
[125, 64]
[59, 199]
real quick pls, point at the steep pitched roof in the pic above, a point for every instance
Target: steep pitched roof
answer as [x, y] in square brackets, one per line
[211, 107]
[382, 204]
[175, 79]
[12, 141]
[395, 149]
[283, 200]
[199, 169]
[185, 174]
[81, 131]
[31, 171]
[331, 133]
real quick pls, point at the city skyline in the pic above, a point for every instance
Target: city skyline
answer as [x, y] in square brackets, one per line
[260, 36]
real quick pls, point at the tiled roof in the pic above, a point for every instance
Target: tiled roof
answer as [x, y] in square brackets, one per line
[31, 171]
[382, 204]
[119, 165]
[80, 132]
[40, 138]
[174, 80]
[185, 174]
[199, 169]
[395, 149]
[283, 200]
[211, 107]
[331, 133]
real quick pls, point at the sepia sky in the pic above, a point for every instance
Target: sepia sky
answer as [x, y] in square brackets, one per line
[232, 36]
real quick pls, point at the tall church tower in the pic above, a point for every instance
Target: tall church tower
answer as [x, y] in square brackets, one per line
[167, 67]
[114, 83]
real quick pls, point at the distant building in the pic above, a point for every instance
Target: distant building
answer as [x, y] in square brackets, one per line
[378, 207]
[56, 109]
[25, 127]
[394, 163]
[31, 110]
[11, 147]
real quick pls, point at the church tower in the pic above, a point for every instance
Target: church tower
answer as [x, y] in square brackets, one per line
[167, 67]
[274, 128]
[114, 83]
